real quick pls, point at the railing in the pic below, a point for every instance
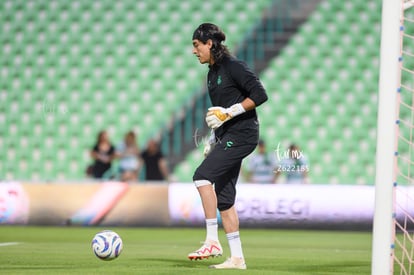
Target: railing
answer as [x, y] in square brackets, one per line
[260, 44]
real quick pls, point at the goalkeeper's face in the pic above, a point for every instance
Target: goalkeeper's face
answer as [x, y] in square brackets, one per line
[202, 51]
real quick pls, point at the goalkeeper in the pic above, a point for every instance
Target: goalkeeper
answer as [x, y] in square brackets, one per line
[235, 92]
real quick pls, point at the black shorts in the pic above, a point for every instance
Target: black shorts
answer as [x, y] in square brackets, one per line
[222, 167]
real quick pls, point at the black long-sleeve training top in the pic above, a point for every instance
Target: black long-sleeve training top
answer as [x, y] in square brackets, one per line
[230, 82]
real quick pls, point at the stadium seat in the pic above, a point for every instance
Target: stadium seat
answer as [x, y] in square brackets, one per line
[322, 89]
[89, 65]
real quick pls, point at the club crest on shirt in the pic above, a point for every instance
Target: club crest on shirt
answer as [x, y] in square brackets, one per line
[228, 144]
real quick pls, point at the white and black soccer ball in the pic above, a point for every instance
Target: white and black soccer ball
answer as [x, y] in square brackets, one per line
[107, 245]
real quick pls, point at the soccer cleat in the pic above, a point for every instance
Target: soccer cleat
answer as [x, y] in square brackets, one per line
[231, 263]
[207, 250]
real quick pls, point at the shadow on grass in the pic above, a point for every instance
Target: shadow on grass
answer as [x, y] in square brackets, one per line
[177, 262]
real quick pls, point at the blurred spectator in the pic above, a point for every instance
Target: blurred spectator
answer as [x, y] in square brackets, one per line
[102, 153]
[156, 168]
[293, 164]
[261, 165]
[128, 154]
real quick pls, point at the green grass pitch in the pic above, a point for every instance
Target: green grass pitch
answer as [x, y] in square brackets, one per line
[67, 250]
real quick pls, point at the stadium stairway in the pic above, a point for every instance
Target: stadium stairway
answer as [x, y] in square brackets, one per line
[323, 94]
[266, 38]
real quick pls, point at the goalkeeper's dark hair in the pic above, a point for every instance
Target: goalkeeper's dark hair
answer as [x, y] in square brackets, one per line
[207, 31]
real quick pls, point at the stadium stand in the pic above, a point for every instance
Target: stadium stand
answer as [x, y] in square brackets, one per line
[323, 94]
[72, 68]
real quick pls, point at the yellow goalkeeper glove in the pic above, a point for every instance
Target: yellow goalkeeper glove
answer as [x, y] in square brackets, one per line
[209, 143]
[216, 116]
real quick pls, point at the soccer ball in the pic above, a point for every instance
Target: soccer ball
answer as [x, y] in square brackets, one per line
[107, 245]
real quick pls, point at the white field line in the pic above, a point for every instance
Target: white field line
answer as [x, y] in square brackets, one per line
[8, 244]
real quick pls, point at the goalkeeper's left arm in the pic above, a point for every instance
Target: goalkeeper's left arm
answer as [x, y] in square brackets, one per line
[216, 115]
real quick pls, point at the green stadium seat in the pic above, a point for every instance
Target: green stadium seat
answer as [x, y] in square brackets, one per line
[99, 92]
